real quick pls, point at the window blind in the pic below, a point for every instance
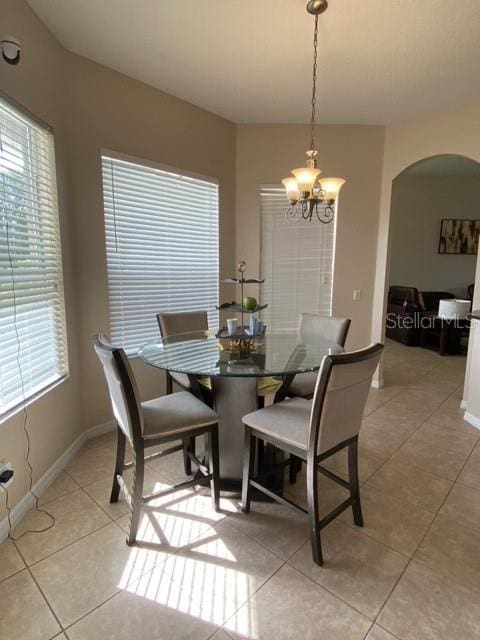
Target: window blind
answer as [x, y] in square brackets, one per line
[296, 261]
[33, 349]
[162, 247]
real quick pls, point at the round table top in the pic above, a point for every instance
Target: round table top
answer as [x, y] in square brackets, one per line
[202, 354]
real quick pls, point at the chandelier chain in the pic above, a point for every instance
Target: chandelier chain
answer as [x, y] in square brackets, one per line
[314, 83]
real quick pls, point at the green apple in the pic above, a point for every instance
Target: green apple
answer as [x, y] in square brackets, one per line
[249, 303]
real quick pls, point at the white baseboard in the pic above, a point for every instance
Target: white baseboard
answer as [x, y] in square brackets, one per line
[471, 419]
[27, 502]
[100, 429]
[377, 384]
[463, 404]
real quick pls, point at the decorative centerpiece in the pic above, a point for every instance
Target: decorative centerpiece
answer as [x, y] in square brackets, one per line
[249, 305]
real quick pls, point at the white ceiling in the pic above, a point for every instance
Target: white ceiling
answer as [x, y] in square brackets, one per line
[446, 165]
[250, 60]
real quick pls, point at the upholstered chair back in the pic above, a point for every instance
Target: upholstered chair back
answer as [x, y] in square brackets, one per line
[122, 388]
[172, 323]
[340, 396]
[313, 328]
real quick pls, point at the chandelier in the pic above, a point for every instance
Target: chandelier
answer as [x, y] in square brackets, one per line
[309, 195]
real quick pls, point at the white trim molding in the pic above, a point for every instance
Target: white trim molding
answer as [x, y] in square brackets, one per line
[471, 419]
[377, 383]
[27, 502]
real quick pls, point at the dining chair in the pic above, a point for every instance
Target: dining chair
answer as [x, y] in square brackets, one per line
[314, 430]
[315, 328]
[149, 424]
[172, 323]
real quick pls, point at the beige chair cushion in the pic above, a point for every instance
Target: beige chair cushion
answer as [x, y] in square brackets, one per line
[288, 420]
[304, 384]
[175, 413]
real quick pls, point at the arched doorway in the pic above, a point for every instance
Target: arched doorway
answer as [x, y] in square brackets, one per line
[443, 186]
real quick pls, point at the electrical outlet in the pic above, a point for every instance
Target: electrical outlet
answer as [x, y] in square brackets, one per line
[6, 474]
[357, 294]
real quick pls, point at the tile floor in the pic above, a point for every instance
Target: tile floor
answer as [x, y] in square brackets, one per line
[412, 573]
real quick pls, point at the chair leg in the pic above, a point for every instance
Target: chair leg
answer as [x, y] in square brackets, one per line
[313, 514]
[294, 469]
[354, 483]
[188, 446]
[214, 466]
[169, 384]
[248, 462]
[119, 462]
[137, 495]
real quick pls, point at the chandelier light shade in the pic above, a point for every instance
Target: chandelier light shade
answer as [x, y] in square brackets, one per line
[309, 196]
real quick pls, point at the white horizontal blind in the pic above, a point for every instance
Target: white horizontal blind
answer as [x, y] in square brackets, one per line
[296, 262]
[33, 350]
[162, 247]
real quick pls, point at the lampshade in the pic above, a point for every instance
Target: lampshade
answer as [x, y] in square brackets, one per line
[291, 188]
[306, 178]
[331, 186]
[454, 309]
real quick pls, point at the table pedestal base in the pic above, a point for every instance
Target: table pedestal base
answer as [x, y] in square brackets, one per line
[234, 398]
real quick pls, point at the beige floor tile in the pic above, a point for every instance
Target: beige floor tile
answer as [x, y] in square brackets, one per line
[221, 635]
[452, 405]
[91, 463]
[330, 494]
[356, 568]
[470, 475]
[10, 560]
[454, 421]
[154, 607]
[452, 550]
[431, 458]
[452, 440]
[170, 467]
[420, 401]
[394, 415]
[377, 633]
[426, 606]
[384, 439]
[106, 440]
[100, 491]
[278, 528]
[177, 520]
[414, 412]
[62, 485]
[24, 614]
[411, 485]
[289, 606]
[88, 572]
[391, 521]
[221, 572]
[76, 515]
[463, 505]
[368, 462]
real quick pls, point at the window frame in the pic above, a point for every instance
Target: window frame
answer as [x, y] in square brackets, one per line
[41, 389]
[277, 187]
[108, 153]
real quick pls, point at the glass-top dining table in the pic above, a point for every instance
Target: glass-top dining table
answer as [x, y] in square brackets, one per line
[227, 370]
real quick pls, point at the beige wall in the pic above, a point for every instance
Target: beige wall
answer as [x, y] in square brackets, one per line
[419, 202]
[267, 153]
[90, 108]
[453, 132]
[110, 111]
